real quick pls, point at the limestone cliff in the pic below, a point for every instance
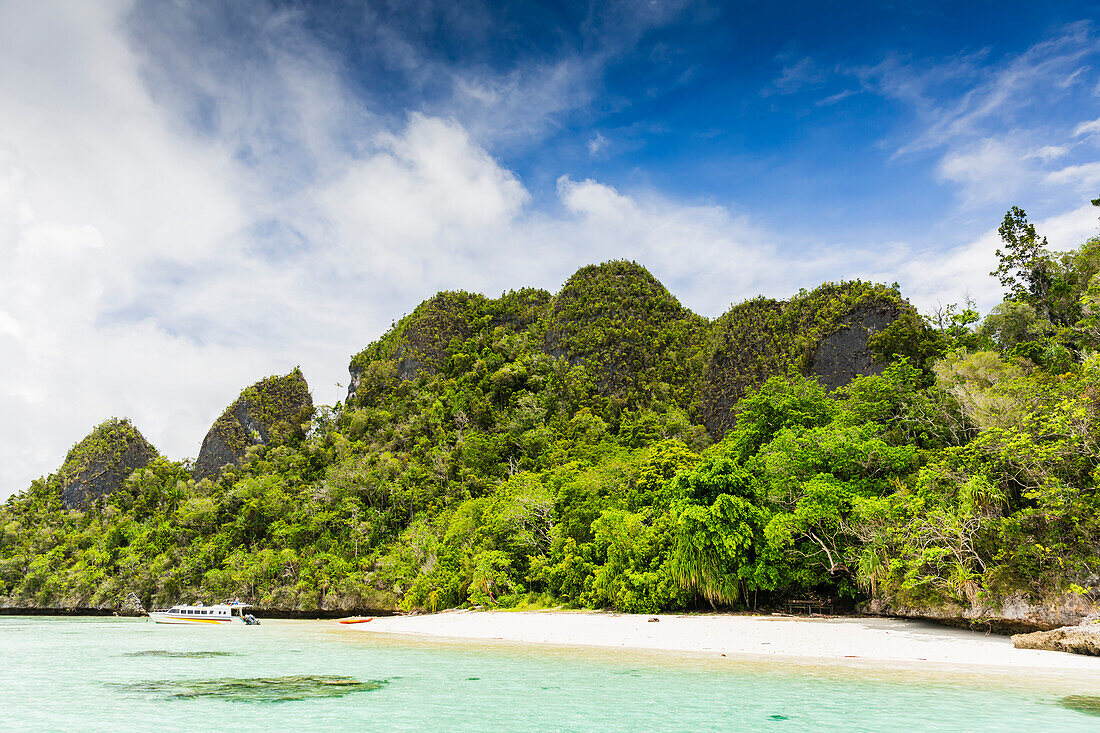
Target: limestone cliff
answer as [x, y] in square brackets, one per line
[827, 333]
[266, 413]
[419, 342]
[625, 328]
[97, 465]
[1007, 615]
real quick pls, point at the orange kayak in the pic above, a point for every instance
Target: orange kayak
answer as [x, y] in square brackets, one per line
[356, 620]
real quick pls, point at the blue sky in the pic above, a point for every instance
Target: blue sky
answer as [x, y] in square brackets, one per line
[196, 195]
[811, 116]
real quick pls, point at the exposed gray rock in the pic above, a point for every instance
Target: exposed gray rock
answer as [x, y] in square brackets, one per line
[265, 413]
[843, 355]
[102, 461]
[1074, 639]
[1013, 614]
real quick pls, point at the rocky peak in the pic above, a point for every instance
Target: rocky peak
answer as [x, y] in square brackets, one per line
[264, 414]
[102, 461]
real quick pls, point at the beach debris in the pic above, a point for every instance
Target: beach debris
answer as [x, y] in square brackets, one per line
[1074, 639]
[253, 689]
[653, 619]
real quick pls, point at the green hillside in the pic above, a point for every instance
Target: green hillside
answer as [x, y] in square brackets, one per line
[605, 447]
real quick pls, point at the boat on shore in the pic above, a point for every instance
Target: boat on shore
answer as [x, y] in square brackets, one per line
[217, 614]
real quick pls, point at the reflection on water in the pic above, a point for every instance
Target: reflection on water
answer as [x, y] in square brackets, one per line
[1082, 703]
[177, 655]
[254, 689]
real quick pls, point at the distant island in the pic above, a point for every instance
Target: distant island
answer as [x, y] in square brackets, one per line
[605, 447]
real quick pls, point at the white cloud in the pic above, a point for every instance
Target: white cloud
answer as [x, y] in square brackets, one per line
[151, 268]
[597, 144]
[1048, 153]
[1091, 127]
[1006, 130]
[989, 170]
[795, 77]
[834, 98]
[1085, 177]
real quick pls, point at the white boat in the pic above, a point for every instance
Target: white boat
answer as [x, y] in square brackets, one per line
[217, 614]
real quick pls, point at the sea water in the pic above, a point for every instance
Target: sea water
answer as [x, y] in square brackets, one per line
[72, 674]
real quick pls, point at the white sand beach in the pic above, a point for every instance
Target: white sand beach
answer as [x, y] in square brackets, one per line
[782, 636]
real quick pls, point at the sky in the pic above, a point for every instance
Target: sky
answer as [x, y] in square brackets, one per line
[196, 195]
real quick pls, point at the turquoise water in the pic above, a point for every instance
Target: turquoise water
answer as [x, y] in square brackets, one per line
[106, 673]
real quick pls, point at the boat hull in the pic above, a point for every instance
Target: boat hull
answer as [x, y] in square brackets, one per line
[162, 617]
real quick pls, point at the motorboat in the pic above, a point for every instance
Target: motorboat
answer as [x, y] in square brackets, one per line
[231, 612]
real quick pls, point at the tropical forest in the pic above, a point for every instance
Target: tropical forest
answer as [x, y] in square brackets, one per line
[604, 447]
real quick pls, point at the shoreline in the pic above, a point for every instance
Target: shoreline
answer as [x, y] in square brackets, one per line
[279, 613]
[867, 639]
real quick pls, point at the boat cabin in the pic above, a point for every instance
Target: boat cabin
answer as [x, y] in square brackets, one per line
[200, 613]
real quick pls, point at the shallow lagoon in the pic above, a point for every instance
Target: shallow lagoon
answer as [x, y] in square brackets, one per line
[99, 673]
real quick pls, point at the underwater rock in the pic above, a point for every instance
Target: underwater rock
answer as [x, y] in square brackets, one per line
[266, 413]
[1088, 704]
[255, 689]
[97, 465]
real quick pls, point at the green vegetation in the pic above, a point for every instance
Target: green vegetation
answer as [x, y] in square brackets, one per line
[533, 450]
[268, 413]
[107, 455]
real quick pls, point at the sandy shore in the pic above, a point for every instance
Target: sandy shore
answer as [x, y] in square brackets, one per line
[822, 638]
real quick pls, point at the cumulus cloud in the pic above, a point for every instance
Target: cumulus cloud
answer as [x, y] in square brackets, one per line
[174, 227]
[151, 269]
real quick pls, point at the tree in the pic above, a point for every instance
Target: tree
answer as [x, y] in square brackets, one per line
[1013, 322]
[1024, 268]
[714, 547]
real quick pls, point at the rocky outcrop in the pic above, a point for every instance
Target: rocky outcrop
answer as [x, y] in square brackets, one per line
[99, 464]
[1014, 614]
[1074, 639]
[633, 341]
[420, 342]
[266, 413]
[825, 333]
[614, 320]
[748, 344]
[624, 327]
[844, 355]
